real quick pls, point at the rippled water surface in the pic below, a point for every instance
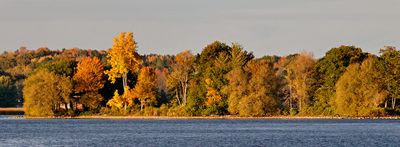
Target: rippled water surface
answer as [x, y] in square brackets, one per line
[197, 132]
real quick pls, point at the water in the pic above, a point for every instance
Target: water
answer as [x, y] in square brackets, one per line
[269, 132]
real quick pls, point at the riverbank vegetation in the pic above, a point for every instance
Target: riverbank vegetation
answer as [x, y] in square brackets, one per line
[220, 80]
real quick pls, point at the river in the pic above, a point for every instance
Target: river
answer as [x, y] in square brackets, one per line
[198, 132]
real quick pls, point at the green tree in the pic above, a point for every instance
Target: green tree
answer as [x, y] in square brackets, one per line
[327, 71]
[390, 68]
[8, 92]
[359, 91]
[63, 67]
[205, 69]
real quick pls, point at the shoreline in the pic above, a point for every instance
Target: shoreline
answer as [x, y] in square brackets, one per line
[203, 117]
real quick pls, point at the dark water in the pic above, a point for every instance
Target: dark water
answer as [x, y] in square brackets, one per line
[275, 132]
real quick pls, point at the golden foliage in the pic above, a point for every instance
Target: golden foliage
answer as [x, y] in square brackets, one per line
[89, 75]
[123, 56]
[213, 96]
[146, 88]
[251, 89]
[117, 101]
[124, 100]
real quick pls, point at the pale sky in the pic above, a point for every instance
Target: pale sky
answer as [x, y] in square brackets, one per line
[264, 27]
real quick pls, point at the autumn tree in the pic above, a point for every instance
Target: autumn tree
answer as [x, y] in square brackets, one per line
[359, 91]
[213, 96]
[178, 79]
[252, 89]
[44, 92]
[299, 77]
[146, 88]
[88, 81]
[120, 102]
[262, 98]
[123, 58]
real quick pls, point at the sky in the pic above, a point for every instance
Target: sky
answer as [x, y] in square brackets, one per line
[264, 27]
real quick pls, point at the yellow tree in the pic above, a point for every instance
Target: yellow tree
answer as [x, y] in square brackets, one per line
[146, 88]
[89, 80]
[213, 96]
[123, 58]
[124, 100]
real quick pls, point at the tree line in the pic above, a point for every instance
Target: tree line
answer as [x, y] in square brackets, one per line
[220, 80]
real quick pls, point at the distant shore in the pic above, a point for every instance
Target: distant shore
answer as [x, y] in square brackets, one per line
[12, 111]
[19, 113]
[203, 117]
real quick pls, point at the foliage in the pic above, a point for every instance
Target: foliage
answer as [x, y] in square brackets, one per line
[146, 89]
[222, 79]
[8, 92]
[178, 79]
[44, 92]
[389, 66]
[299, 77]
[89, 75]
[251, 90]
[327, 71]
[358, 91]
[61, 67]
[123, 57]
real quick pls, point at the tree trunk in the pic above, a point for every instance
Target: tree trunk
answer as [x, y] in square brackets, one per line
[177, 96]
[141, 106]
[300, 104]
[184, 91]
[392, 103]
[125, 80]
[290, 97]
[386, 103]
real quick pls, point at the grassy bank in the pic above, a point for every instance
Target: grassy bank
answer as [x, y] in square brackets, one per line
[11, 111]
